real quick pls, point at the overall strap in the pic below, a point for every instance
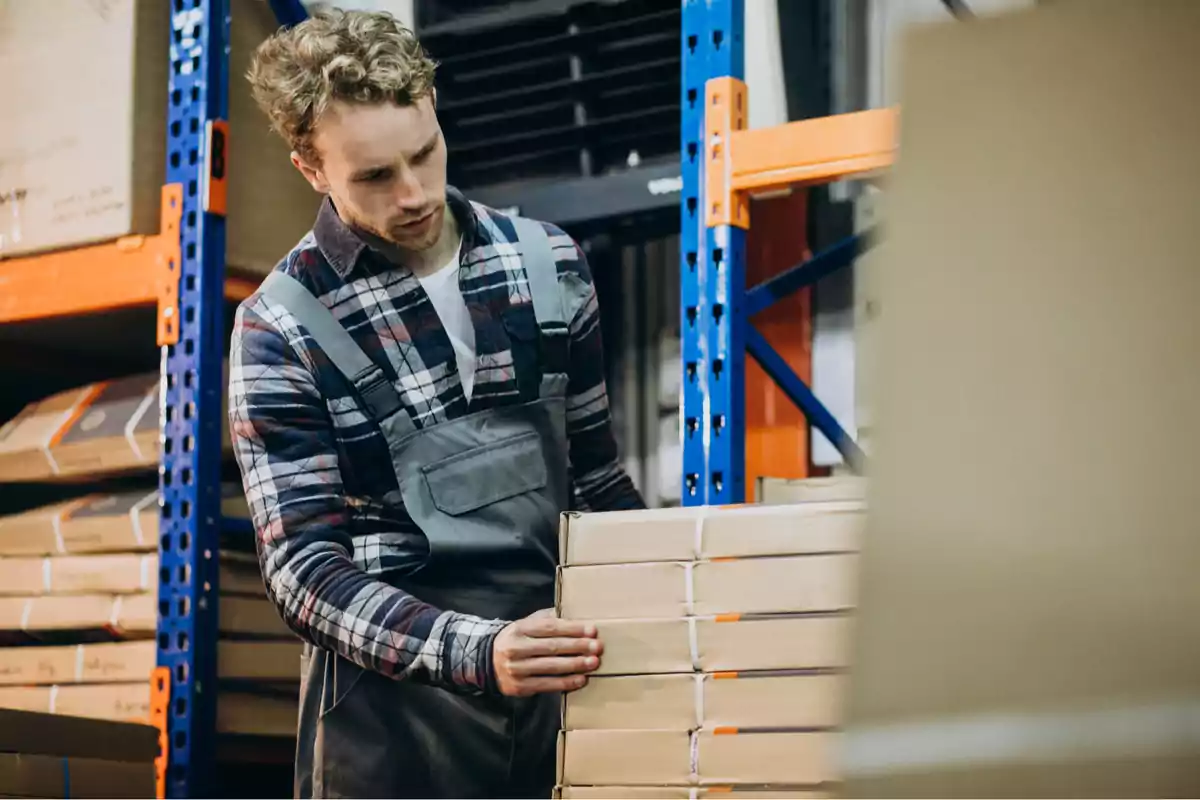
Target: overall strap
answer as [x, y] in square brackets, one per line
[377, 393]
[541, 270]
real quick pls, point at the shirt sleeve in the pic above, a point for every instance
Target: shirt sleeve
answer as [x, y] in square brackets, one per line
[601, 483]
[285, 446]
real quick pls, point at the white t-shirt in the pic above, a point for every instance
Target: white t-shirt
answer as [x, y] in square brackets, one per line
[446, 296]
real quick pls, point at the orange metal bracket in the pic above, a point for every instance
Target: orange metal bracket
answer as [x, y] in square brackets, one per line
[216, 183]
[725, 116]
[160, 707]
[132, 271]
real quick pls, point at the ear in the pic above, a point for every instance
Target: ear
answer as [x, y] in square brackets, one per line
[312, 174]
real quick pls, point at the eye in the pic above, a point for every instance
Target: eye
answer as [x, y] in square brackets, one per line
[374, 176]
[423, 156]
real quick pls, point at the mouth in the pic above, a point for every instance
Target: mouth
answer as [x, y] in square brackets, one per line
[419, 221]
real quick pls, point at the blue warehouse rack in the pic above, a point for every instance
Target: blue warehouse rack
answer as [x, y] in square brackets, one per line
[722, 163]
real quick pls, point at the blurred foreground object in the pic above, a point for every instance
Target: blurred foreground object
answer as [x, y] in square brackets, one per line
[1029, 599]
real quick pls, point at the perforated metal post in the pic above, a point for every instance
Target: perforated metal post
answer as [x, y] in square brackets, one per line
[189, 474]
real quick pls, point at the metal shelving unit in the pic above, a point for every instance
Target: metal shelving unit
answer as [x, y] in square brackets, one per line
[723, 163]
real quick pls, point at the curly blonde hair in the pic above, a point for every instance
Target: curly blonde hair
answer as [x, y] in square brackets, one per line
[352, 56]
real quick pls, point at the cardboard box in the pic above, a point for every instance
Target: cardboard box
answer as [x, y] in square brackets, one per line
[623, 757]
[123, 573]
[23, 775]
[724, 644]
[704, 533]
[128, 615]
[742, 700]
[1032, 546]
[237, 712]
[686, 793]
[708, 588]
[98, 176]
[97, 523]
[116, 662]
[836, 489]
[102, 429]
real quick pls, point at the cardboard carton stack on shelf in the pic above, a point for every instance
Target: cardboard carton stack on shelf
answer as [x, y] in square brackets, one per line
[79, 609]
[725, 634]
[43, 755]
[97, 175]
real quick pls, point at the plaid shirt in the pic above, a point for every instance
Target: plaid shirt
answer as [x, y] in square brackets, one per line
[315, 468]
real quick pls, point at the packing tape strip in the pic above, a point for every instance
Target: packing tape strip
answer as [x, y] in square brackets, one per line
[115, 616]
[694, 756]
[46, 575]
[698, 537]
[694, 644]
[79, 661]
[144, 576]
[694, 793]
[699, 704]
[135, 516]
[85, 398]
[54, 699]
[142, 408]
[689, 589]
[26, 613]
[56, 525]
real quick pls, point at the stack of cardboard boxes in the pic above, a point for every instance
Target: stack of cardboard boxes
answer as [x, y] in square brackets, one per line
[725, 633]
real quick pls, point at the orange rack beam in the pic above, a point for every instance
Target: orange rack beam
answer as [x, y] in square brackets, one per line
[132, 271]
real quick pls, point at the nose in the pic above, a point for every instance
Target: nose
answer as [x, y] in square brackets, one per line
[410, 194]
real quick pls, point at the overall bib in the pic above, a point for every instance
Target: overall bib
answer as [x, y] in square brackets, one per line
[487, 490]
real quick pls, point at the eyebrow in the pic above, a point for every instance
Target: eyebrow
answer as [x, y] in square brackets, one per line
[367, 172]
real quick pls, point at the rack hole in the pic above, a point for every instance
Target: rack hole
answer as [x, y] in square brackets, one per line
[718, 255]
[189, 315]
[165, 541]
[691, 316]
[185, 575]
[189, 377]
[191, 219]
[718, 368]
[690, 371]
[176, 97]
[170, 413]
[692, 150]
[186, 475]
[175, 159]
[180, 706]
[691, 482]
[718, 37]
[189, 408]
[167, 510]
[718, 481]
[185, 509]
[164, 575]
[691, 426]
[189, 347]
[691, 260]
[189, 444]
[191, 188]
[177, 772]
[691, 97]
[175, 128]
[164, 608]
[185, 541]
[168, 445]
[718, 311]
[691, 209]
[181, 672]
[195, 94]
[182, 641]
[190, 283]
[718, 423]
[164, 641]
[191, 250]
[692, 41]
[194, 125]
[184, 606]
[180, 740]
[192, 158]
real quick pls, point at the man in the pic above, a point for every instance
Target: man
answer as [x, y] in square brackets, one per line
[415, 392]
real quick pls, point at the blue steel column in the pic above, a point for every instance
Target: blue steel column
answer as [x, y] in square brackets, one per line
[724, 261]
[692, 324]
[189, 475]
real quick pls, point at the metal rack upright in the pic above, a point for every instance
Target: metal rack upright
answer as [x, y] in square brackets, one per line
[723, 163]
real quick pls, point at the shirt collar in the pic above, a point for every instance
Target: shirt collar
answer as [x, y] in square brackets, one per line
[343, 247]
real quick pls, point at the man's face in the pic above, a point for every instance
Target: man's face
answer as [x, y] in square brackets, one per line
[385, 168]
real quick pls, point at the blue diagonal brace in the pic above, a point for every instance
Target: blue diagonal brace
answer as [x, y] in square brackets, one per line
[799, 393]
[289, 12]
[837, 257]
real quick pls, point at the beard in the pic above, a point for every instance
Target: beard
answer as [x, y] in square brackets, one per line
[414, 239]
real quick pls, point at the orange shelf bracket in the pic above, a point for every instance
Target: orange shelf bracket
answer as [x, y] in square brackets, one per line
[160, 707]
[725, 103]
[813, 151]
[167, 257]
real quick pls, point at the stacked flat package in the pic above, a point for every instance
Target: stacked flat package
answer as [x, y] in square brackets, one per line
[93, 431]
[725, 634]
[43, 755]
[79, 611]
[83, 156]
[1029, 612]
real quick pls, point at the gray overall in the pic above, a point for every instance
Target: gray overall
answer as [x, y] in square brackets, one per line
[486, 489]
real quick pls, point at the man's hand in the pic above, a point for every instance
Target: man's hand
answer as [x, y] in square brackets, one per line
[542, 653]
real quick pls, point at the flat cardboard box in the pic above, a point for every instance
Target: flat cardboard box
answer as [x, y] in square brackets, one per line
[708, 532]
[98, 176]
[129, 615]
[623, 757]
[237, 712]
[97, 523]
[835, 489]
[116, 662]
[1032, 545]
[744, 700]
[118, 573]
[731, 586]
[102, 429]
[66, 737]
[724, 644]
[26, 775]
[686, 793]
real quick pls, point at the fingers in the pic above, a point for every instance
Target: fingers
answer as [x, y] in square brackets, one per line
[554, 666]
[531, 686]
[525, 648]
[540, 626]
